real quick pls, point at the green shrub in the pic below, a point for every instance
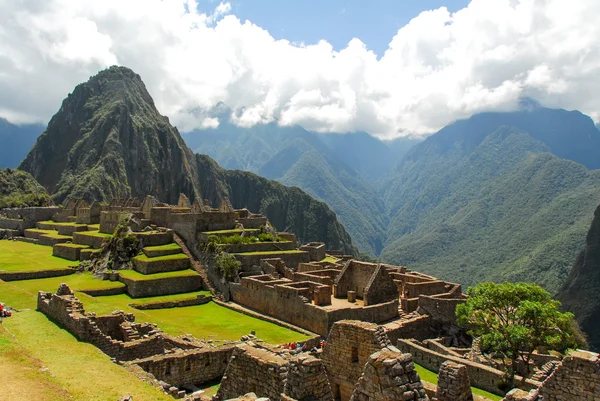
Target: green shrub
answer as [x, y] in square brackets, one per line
[227, 266]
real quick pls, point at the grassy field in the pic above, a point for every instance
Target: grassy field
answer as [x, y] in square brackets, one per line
[18, 256]
[330, 259]
[432, 377]
[43, 343]
[210, 321]
[24, 376]
[95, 234]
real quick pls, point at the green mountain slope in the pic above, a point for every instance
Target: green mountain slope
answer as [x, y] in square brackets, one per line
[497, 207]
[18, 189]
[581, 292]
[296, 157]
[109, 140]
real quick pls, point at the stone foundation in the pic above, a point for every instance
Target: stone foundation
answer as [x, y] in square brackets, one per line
[162, 286]
[68, 251]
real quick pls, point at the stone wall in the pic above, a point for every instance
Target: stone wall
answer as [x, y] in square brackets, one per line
[389, 375]
[258, 247]
[307, 380]
[267, 297]
[348, 348]
[453, 383]
[418, 327]
[442, 310]
[252, 370]
[192, 367]
[162, 286]
[380, 288]
[291, 259]
[576, 378]
[482, 376]
[17, 276]
[31, 214]
[316, 250]
[65, 309]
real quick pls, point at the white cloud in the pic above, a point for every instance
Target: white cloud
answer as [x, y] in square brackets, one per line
[438, 68]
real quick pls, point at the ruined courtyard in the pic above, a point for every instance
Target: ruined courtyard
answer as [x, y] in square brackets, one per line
[360, 331]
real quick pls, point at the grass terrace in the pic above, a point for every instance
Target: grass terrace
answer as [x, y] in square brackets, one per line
[330, 259]
[16, 256]
[169, 247]
[178, 256]
[432, 377]
[40, 231]
[54, 234]
[209, 321]
[135, 276]
[77, 246]
[123, 298]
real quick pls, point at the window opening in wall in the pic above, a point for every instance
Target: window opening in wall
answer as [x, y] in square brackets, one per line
[188, 366]
[168, 370]
[207, 362]
[354, 355]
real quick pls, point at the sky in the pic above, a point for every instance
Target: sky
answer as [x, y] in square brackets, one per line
[390, 68]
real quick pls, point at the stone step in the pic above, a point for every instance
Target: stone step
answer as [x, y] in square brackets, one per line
[161, 250]
[53, 239]
[68, 251]
[93, 239]
[28, 240]
[36, 233]
[161, 264]
[151, 285]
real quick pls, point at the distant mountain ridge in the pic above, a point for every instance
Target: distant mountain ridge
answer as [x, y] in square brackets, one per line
[108, 140]
[325, 165]
[16, 141]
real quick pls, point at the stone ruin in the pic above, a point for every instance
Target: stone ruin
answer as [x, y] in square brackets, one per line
[453, 383]
[389, 375]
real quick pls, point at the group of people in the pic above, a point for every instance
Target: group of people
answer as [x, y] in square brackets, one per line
[296, 348]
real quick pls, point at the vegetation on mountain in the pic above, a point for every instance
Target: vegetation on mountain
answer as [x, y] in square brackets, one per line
[512, 320]
[581, 292]
[501, 207]
[18, 189]
[296, 157]
[108, 140]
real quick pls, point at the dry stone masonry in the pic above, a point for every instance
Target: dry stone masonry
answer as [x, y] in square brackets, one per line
[453, 383]
[389, 375]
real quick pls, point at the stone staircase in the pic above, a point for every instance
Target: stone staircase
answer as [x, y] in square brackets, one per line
[546, 370]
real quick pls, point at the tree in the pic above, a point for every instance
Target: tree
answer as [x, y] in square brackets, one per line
[513, 320]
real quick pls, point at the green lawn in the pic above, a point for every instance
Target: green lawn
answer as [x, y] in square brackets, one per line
[125, 299]
[330, 259]
[65, 359]
[133, 275]
[54, 234]
[432, 377]
[167, 247]
[210, 321]
[63, 224]
[23, 294]
[16, 256]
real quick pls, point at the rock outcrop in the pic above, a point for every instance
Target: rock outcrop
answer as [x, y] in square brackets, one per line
[108, 141]
[581, 294]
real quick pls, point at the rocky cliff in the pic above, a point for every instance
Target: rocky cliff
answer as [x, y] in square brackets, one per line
[109, 140]
[581, 292]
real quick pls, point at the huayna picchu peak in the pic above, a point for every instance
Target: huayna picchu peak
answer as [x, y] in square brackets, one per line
[108, 141]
